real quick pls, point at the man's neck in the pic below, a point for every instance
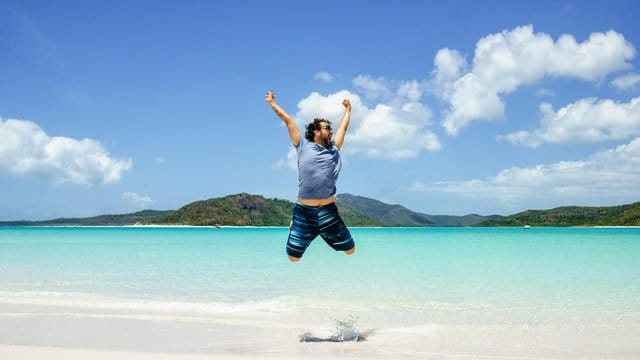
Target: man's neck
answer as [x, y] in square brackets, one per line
[321, 142]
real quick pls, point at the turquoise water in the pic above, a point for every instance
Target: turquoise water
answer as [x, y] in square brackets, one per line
[443, 275]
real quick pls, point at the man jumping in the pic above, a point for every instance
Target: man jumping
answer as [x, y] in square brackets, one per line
[319, 164]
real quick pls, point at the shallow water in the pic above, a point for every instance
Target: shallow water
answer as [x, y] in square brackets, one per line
[400, 281]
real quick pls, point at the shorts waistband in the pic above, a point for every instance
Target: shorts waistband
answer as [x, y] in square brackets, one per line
[315, 207]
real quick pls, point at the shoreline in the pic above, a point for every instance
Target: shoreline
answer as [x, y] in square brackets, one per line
[139, 333]
[217, 227]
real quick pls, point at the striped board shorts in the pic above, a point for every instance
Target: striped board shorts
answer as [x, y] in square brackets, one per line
[310, 221]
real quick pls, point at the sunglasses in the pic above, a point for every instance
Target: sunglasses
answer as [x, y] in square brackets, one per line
[326, 127]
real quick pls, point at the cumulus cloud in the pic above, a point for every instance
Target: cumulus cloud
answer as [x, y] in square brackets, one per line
[372, 88]
[290, 162]
[323, 76]
[449, 65]
[626, 82]
[585, 121]
[138, 201]
[26, 150]
[607, 176]
[394, 130]
[391, 121]
[506, 60]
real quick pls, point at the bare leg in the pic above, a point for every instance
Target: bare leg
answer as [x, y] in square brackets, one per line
[350, 251]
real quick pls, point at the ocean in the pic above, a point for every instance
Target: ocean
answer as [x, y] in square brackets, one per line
[573, 291]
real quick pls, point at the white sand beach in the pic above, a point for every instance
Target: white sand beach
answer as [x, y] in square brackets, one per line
[36, 332]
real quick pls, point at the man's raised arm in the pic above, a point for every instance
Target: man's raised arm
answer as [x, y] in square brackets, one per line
[344, 124]
[294, 133]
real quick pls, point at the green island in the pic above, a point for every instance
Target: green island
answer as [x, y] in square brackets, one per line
[622, 215]
[255, 210]
[249, 210]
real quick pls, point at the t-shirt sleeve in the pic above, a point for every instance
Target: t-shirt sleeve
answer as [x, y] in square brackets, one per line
[301, 143]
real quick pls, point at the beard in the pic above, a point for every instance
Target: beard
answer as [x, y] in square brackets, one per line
[326, 141]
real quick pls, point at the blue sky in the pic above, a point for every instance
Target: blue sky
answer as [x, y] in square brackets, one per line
[459, 107]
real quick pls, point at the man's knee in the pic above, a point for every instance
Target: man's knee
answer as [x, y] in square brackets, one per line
[293, 258]
[350, 251]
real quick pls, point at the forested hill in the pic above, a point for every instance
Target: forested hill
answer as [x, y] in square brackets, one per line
[249, 210]
[255, 210]
[398, 215]
[140, 217]
[623, 215]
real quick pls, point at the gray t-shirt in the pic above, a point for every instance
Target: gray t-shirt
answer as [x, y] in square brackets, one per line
[318, 169]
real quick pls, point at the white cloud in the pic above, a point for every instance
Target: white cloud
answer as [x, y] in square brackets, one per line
[138, 201]
[507, 60]
[374, 89]
[585, 121]
[290, 162]
[410, 90]
[542, 92]
[26, 150]
[610, 176]
[449, 65]
[396, 130]
[626, 82]
[472, 99]
[323, 76]
[395, 133]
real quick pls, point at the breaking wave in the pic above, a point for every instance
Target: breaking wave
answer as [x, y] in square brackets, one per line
[343, 331]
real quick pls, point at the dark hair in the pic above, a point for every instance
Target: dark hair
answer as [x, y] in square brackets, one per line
[313, 126]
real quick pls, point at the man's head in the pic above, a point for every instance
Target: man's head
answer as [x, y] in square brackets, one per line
[319, 131]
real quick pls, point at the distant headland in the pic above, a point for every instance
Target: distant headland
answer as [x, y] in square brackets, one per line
[255, 210]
